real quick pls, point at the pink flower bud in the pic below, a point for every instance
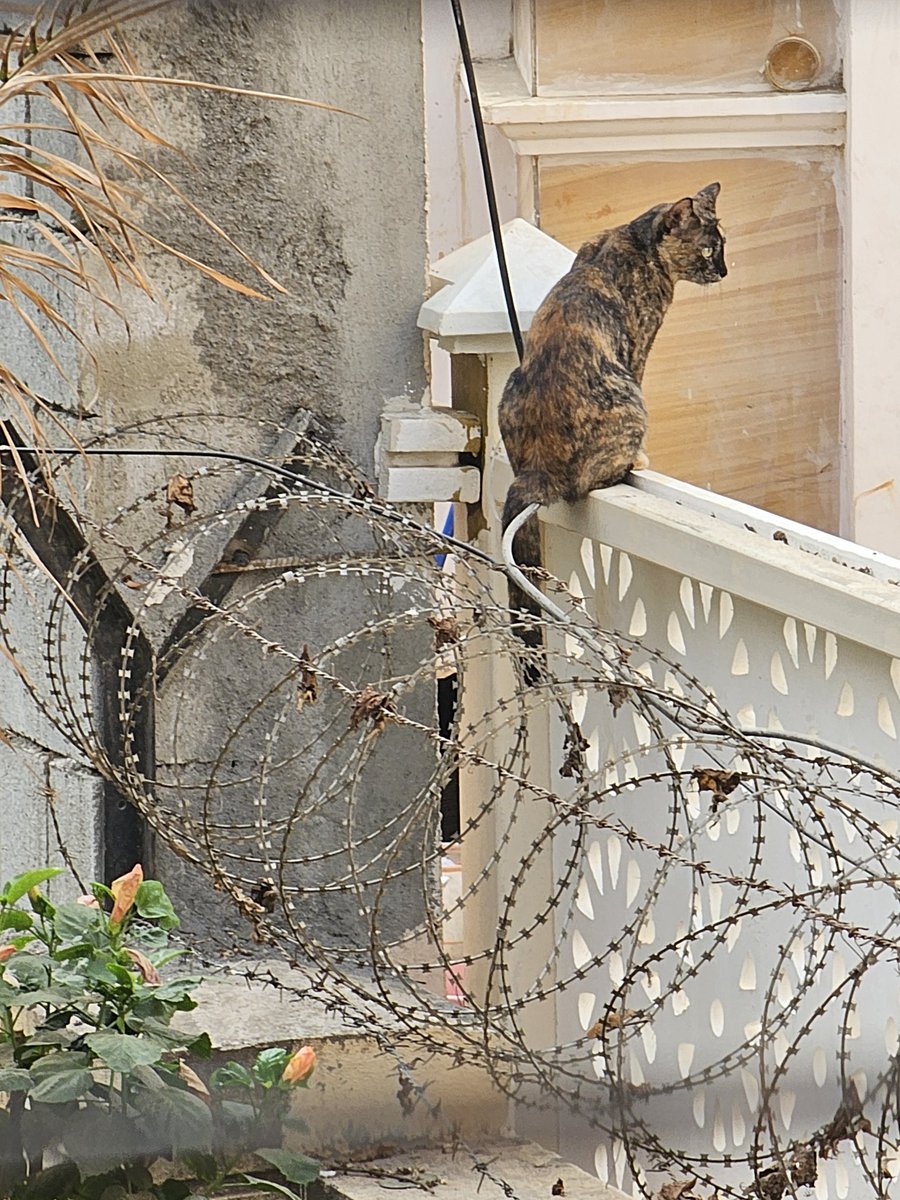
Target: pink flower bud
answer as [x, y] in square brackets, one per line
[6, 952]
[88, 901]
[300, 1066]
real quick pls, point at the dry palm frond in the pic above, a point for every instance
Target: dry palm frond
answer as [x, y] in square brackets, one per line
[79, 223]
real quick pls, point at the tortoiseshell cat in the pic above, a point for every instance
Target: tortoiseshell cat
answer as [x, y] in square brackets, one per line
[572, 415]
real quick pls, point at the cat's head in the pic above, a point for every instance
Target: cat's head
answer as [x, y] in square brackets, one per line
[690, 242]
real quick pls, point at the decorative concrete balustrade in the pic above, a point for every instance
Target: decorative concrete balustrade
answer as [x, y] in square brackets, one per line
[722, 963]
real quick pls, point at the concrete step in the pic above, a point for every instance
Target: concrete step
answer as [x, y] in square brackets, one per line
[505, 1169]
[360, 1099]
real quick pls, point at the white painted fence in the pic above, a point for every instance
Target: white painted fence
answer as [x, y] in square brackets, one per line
[793, 631]
[707, 982]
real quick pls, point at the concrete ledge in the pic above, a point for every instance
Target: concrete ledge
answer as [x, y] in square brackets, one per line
[447, 1174]
[360, 1100]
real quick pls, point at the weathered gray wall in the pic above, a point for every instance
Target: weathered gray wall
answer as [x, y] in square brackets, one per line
[334, 207]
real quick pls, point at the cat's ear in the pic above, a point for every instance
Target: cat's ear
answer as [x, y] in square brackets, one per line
[680, 216]
[705, 202]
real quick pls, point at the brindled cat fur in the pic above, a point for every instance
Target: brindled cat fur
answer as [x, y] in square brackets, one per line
[572, 415]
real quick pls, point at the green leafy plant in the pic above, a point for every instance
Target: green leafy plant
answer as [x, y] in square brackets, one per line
[250, 1105]
[91, 1064]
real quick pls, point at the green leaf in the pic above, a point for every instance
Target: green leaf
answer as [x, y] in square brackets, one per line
[79, 950]
[231, 1074]
[24, 883]
[149, 1079]
[174, 1189]
[99, 1141]
[102, 893]
[59, 996]
[204, 1167]
[296, 1168]
[124, 1051]
[30, 970]
[235, 1112]
[269, 1185]
[201, 1047]
[42, 906]
[9, 996]
[179, 1116]
[54, 1037]
[61, 1060]
[54, 1183]
[153, 904]
[122, 975]
[178, 992]
[73, 921]
[159, 1030]
[97, 970]
[15, 918]
[13, 1079]
[60, 1086]
[161, 958]
[270, 1064]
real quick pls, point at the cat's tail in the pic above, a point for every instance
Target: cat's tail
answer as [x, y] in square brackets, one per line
[528, 488]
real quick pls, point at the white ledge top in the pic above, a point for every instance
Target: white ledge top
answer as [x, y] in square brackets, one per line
[834, 584]
[471, 302]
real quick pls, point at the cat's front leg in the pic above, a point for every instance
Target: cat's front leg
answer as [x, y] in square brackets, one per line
[641, 461]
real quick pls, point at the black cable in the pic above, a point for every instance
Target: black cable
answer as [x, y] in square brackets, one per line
[488, 177]
[380, 507]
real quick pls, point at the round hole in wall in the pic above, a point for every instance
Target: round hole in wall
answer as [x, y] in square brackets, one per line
[792, 64]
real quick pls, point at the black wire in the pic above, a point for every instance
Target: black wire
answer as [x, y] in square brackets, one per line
[488, 177]
[380, 507]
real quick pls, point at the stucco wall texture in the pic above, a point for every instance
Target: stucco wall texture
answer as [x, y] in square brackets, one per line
[334, 207]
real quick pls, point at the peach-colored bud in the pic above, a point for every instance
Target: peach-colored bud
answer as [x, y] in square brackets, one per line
[6, 952]
[145, 966]
[124, 889]
[88, 901]
[300, 1066]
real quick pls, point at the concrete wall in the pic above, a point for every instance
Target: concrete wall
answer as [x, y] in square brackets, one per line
[333, 206]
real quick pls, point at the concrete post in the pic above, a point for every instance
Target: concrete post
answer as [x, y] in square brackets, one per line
[468, 317]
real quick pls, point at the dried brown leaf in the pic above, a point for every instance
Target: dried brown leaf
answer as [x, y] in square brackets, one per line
[446, 631]
[723, 782]
[374, 706]
[190, 1077]
[148, 972]
[308, 687]
[615, 1020]
[803, 1166]
[720, 783]
[574, 747]
[180, 491]
[678, 1189]
[265, 894]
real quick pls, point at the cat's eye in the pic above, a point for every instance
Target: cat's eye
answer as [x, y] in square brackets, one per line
[707, 251]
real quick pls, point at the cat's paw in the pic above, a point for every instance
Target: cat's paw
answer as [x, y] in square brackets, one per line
[641, 463]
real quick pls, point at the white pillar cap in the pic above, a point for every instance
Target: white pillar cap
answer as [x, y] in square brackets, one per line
[468, 313]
